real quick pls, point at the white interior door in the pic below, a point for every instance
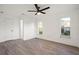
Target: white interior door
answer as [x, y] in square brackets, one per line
[27, 30]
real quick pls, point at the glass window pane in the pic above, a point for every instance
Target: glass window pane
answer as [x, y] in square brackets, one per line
[65, 27]
[40, 27]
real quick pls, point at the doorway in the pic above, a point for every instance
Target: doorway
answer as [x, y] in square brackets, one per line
[27, 30]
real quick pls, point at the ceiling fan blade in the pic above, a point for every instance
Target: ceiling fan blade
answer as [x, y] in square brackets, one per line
[35, 13]
[42, 12]
[36, 7]
[32, 11]
[45, 8]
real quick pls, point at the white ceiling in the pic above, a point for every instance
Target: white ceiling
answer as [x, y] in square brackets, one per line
[18, 9]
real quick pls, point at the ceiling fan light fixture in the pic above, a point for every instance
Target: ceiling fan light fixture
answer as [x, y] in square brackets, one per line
[38, 13]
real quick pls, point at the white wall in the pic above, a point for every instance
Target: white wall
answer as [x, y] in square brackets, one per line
[52, 26]
[9, 22]
[8, 28]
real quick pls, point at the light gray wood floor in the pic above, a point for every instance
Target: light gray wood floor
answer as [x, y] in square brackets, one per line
[36, 47]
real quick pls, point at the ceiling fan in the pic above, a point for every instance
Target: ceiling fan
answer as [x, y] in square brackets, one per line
[38, 10]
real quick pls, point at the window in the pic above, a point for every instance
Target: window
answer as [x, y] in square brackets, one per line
[65, 27]
[40, 28]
